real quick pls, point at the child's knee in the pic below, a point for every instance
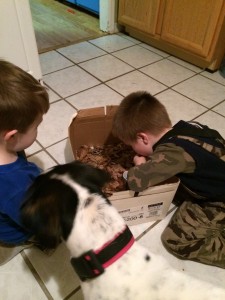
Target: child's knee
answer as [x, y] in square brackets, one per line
[172, 242]
[205, 246]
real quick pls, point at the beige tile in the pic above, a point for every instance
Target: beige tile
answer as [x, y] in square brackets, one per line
[202, 90]
[135, 81]
[81, 52]
[180, 107]
[70, 81]
[155, 50]
[61, 151]
[54, 127]
[129, 38]
[214, 121]
[106, 67]
[17, 282]
[137, 56]
[216, 76]
[138, 229]
[42, 160]
[167, 72]
[111, 43]
[35, 147]
[55, 271]
[52, 96]
[185, 64]
[77, 296]
[52, 61]
[100, 95]
[220, 108]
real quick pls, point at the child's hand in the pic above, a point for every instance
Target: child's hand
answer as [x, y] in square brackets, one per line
[138, 160]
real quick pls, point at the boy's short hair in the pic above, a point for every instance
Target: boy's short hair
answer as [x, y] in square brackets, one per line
[22, 98]
[139, 112]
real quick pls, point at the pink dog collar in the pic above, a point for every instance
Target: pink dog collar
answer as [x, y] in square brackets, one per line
[93, 263]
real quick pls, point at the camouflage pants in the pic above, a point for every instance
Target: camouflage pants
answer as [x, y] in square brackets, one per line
[197, 232]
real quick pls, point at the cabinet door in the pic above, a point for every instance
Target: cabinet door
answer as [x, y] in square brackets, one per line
[140, 14]
[191, 24]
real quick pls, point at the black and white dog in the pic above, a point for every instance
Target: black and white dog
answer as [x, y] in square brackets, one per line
[67, 203]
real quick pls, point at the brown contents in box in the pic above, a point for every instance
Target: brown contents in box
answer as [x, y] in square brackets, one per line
[115, 159]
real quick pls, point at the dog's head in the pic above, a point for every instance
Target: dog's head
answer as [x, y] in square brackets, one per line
[51, 203]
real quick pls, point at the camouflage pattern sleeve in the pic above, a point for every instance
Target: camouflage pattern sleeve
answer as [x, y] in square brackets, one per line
[166, 161]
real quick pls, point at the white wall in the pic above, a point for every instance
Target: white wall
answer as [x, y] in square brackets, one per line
[17, 38]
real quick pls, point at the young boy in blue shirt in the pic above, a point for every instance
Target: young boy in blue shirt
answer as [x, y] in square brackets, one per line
[23, 102]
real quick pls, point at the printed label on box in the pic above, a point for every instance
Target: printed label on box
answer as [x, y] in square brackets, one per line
[142, 212]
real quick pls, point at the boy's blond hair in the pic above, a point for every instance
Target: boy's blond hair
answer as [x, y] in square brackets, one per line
[139, 112]
[22, 98]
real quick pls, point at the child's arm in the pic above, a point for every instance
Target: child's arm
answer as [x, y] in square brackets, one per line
[167, 161]
[12, 231]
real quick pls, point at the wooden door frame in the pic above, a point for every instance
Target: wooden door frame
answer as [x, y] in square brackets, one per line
[108, 15]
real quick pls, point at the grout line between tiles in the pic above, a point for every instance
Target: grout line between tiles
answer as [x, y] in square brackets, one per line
[134, 69]
[154, 224]
[129, 38]
[110, 52]
[50, 88]
[69, 103]
[46, 148]
[169, 87]
[35, 152]
[208, 108]
[103, 81]
[58, 100]
[184, 66]
[72, 293]
[63, 68]
[89, 59]
[49, 154]
[137, 69]
[211, 78]
[155, 52]
[209, 111]
[36, 276]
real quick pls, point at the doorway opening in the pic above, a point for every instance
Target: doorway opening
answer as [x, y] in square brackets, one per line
[58, 24]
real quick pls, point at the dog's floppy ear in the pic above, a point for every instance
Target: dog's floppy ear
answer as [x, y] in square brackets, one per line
[86, 174]
[48, 210]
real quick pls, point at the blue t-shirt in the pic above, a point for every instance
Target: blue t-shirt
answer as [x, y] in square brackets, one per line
[15, 178]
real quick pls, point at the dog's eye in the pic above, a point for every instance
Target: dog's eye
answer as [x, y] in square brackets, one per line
[88, 201]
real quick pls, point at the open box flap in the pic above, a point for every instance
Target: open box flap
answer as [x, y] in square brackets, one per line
[92, 126]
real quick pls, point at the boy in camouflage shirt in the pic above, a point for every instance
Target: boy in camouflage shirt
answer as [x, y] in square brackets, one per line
[194, 153]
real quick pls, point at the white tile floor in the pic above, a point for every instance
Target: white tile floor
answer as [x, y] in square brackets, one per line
[96, 73]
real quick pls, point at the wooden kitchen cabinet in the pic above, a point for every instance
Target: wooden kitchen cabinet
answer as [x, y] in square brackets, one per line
[142, 15]
[193, 30]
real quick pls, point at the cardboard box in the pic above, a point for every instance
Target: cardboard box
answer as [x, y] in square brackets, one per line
[92, 127]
